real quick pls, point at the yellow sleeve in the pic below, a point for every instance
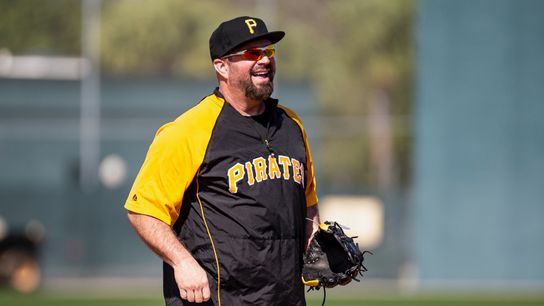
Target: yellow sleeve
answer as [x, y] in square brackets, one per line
[311, 194]
[171, 163]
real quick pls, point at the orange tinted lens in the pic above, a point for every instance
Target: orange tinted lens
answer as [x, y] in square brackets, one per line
[256, 54]
[253, 54]
[269, 52]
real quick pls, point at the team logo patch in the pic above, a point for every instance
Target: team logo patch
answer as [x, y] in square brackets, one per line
[251, 23]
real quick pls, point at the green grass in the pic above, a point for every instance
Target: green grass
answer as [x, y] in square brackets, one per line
[426, 302]
[12, 299]
[50, 301]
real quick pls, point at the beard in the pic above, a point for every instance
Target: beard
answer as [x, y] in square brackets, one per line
[260, 93]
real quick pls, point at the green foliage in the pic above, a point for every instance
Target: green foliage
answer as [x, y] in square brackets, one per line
[351, 51]
[165, 37]
[37, 26]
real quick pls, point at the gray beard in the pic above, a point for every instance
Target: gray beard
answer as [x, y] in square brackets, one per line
[259, 94]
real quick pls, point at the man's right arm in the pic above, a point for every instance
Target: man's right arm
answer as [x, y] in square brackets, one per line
[191, 279]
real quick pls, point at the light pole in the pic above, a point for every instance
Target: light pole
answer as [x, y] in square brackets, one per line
[90, 95]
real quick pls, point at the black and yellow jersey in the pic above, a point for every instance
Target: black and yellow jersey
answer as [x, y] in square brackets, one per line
[235, 190]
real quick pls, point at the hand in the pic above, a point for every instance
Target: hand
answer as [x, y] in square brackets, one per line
[192, 281]
[310, 231]
[312, 224]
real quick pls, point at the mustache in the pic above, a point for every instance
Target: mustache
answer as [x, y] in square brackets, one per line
[261, 68]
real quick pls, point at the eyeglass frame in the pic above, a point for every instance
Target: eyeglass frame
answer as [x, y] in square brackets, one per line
[262, 49]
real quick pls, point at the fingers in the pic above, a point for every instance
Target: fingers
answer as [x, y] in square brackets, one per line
[183, 294]
[195, 295]
[198, 296]
[192, 281]
[206, 293]
[190, 296]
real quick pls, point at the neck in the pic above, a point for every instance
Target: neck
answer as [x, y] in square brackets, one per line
[238, 100]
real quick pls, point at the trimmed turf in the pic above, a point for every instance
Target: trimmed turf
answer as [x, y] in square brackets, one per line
[426, 302]
[10, 299]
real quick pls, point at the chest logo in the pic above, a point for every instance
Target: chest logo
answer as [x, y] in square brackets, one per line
[261, 169]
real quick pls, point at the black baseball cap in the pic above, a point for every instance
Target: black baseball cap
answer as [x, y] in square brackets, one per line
[235, 32]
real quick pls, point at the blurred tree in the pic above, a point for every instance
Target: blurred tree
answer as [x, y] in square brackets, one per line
[376, 69]
[358, 56]
[165, 37]
[36, 26]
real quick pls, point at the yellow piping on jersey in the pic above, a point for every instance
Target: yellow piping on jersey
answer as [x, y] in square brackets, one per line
[211, 240]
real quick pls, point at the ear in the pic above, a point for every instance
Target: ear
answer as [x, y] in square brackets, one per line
[221, 67]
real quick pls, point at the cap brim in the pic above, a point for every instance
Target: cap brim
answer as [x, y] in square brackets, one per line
[273, 37]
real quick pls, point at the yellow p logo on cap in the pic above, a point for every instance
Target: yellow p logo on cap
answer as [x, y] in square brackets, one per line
[251, 23]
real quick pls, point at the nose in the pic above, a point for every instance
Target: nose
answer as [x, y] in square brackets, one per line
[265, 59]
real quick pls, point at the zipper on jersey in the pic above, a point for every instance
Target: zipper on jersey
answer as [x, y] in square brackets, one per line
[268, 146]
[264, 138]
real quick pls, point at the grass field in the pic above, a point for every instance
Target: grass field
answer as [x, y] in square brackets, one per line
[12, 299]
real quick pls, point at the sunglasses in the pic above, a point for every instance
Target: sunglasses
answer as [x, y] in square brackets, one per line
[255, 54]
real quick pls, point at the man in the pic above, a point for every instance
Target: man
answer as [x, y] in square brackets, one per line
[226, 195]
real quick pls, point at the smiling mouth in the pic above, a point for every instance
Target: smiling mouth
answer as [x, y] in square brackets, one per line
[262, 74]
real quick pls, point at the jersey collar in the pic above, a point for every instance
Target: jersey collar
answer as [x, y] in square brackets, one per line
[270, 102]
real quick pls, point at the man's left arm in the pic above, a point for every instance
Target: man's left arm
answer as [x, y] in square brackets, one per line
[312, 223]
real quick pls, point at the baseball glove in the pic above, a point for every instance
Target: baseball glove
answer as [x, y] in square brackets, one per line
[332, 258]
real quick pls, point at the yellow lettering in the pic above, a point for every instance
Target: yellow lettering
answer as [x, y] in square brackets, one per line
[285, 162]
[250, 177]
[250, 25]
[273, 168]
[260, 169]
[235, 173]
[296, 171]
